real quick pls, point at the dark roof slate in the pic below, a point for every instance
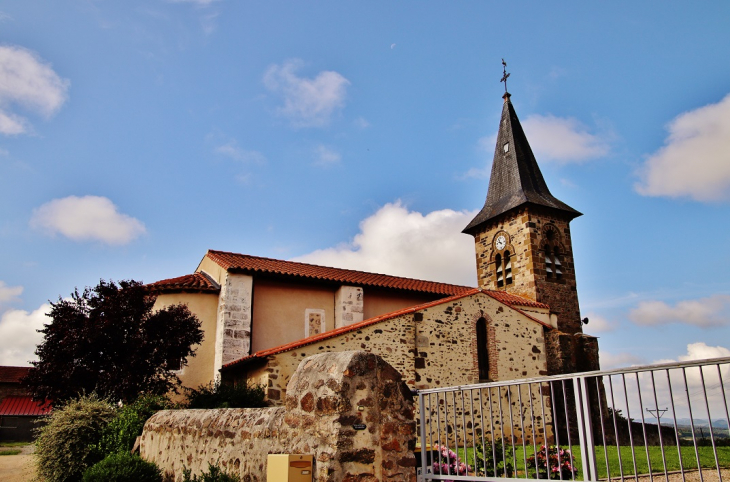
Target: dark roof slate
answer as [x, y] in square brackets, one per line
[516, 178]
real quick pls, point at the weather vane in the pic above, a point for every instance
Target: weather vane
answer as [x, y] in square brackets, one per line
[505, 75]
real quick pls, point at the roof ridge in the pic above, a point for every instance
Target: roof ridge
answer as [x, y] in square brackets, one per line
[346, 270]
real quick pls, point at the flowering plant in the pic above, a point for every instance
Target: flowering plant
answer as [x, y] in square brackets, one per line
[560, 463]
[449, 462]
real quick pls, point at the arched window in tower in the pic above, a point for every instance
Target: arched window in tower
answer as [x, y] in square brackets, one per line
[548, 263]
[558, 265]
[482, 354]
[499, 270]
[507, 268]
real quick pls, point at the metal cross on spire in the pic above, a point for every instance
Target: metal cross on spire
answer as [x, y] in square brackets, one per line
[505, 75]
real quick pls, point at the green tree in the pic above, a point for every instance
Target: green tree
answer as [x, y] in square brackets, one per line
[108, 340]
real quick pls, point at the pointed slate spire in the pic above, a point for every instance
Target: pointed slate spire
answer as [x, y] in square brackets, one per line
[516, 178]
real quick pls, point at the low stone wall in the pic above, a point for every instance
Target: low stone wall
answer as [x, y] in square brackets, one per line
[350, 410]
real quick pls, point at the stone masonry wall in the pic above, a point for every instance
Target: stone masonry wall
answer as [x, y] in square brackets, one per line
[233, 325]
[431, 347]
[526, 230]
[350, 410]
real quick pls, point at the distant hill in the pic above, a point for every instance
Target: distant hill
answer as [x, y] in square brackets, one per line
[686, 422]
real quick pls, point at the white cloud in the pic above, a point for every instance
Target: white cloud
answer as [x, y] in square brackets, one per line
[400, 242]
[700, 351]
[325, 156]
[86, 218]
[231, 149]
[361, 123]
[695, 159]
[9, 293]
[610, 361]
[307, 102]
[598, 324]
[702, 312]
[26, 81]
[18, 332]
[563, 139]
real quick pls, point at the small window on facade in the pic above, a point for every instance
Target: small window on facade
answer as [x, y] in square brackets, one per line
[506, 147]
[482, 353]
[507, 268]
[499, 271]
[175, 364]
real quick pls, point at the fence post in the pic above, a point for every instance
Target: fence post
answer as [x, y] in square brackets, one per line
[585, 429]
[422, 421]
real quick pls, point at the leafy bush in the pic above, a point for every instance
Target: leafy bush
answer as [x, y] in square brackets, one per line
[121, 433]
[64, 448]
[226, 396]
[123, 467]
[214, 474]
[502, 453]
[559, 462]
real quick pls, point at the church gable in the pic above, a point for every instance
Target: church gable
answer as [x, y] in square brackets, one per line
[431, 345]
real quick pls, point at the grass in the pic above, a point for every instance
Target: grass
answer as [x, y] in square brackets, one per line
[10, 452]
[14, 444]
[625, 461]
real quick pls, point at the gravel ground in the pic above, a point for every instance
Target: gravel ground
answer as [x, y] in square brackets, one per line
[708, 475]
[18, 468]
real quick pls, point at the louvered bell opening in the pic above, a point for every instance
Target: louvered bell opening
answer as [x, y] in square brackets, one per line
[549, 269]
[557, 261]
[509, 264]
[500, 278]
[557, 271]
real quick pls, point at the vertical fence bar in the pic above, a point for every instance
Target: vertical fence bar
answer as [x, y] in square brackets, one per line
[585, 431]
[532, 421]
[545, 435]
[522, 426]
[724, 398]
[501, 426]
[484, 428]
[659, 425]
[692, 423]
[603, 427]
[676, 429]
[456, 434]
[466, 443]
[422, 420]
[438, 431]
[643, 426]
[567, 423]
[511, 425]
[709, 419]
[473, 430]
[430, 431]
[631, 432]
[491, 426]
[615, 429]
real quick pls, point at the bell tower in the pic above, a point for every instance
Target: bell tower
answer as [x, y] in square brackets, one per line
[522, 234]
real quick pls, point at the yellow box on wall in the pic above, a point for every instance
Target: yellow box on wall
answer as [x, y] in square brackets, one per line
[289, 468]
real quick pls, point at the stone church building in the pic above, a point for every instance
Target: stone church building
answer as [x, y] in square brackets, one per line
[262, 316]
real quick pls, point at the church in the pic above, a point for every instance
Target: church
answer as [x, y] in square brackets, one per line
[262, 316]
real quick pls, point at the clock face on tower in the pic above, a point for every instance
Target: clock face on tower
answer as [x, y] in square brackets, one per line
[501, 242]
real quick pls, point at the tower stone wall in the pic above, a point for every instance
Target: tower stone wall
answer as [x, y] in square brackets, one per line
[528, 229]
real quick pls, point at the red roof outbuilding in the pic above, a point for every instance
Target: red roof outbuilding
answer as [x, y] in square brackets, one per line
[24, 406]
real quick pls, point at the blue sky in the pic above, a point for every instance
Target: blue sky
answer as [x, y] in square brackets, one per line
[136, 135]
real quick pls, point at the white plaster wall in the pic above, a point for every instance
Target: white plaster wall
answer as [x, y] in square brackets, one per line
[349, 306]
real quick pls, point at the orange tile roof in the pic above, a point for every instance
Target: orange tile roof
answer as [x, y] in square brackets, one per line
[13, 406]
[13, 374]
[189, 282]
[497, 295]
[515, 300]
[255, 264]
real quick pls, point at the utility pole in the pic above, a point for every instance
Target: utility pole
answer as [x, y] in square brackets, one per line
[657, 415]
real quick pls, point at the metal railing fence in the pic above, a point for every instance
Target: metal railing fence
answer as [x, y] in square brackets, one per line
[646, 422]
